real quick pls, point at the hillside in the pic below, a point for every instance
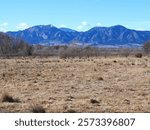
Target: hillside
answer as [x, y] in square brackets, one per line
[97, 36]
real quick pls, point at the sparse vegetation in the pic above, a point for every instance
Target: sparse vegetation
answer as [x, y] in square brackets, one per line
[139, 55]
[100, 78]
[146, 47]
[94, 101]
[14, 47]
[72, 52]
[37, 109]
[71, 111]
[7, 98]
[17, 47]
[96, 84]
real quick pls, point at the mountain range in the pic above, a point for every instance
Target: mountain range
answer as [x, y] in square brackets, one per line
[118, 36]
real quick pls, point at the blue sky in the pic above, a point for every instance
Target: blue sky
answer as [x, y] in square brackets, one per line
[76, 14]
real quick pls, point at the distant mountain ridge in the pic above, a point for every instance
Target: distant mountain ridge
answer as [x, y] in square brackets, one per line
[98, 36]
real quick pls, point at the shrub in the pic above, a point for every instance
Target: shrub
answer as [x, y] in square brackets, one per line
[94, 101]
[138, 55]
[146, 47]
[23, 48]
[11, 47]
[72, 52]
[125, 52]
[100, 78]
[7, 98]
[37, 109]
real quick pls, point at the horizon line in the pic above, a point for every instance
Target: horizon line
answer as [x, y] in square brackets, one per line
[73, 29]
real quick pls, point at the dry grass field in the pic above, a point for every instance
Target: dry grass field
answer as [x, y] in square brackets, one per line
[112, 84]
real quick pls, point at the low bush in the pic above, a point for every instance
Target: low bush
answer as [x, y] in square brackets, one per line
[146, 47]
[139, 55]
[72, 52]
[7, 98]
[37, 109]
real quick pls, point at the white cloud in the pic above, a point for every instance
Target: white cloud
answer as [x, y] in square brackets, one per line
[83, 25]
[98, 24]
[141, 29]
[62, 26]
[22, 26]
[4, 27]
[79, 27]
[4, 24]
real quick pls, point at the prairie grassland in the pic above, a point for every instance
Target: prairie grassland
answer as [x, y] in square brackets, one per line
[112, 84]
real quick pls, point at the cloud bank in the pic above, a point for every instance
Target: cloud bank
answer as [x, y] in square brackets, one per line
[22, 26]
[4, 26]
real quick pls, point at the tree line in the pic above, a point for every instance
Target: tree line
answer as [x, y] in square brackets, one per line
[13, 47]
[16, 47]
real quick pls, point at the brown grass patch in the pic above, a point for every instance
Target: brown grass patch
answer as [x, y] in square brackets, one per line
[75, 84]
